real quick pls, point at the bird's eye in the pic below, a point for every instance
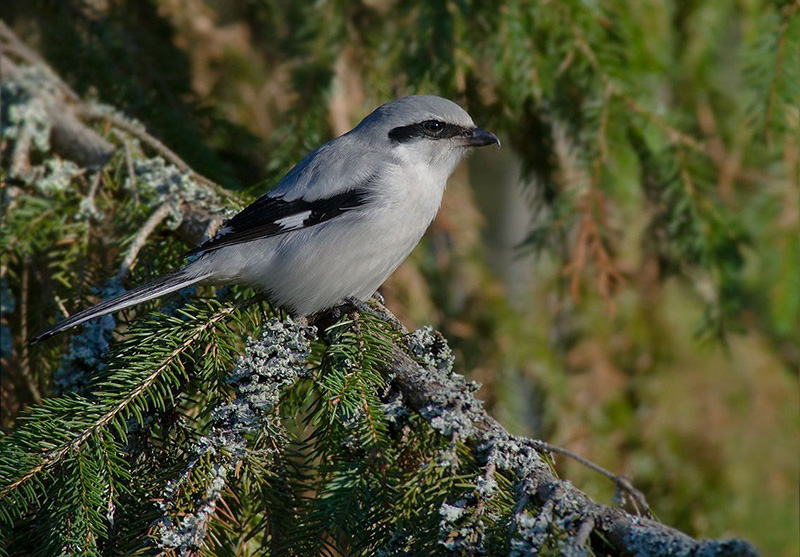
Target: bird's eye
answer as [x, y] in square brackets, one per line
[433, 127]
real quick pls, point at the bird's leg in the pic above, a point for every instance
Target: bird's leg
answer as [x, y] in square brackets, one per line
[359, 305]
[303, 321]
[382, 314]
[379, 298]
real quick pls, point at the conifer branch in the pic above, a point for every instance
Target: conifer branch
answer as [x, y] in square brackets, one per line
[54, 456]
[448, 403]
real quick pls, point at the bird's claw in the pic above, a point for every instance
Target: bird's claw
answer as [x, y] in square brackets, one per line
[381, 313]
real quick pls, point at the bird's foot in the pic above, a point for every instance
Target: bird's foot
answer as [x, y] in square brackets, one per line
[382, 313]
[358, 305]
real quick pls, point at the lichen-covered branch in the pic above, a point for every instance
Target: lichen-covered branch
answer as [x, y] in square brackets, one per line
[446, 399]
[271, 364]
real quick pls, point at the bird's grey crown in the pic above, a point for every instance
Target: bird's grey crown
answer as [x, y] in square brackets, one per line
[413, 109]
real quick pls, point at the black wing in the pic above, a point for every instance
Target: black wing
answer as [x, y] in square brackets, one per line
[270, 216]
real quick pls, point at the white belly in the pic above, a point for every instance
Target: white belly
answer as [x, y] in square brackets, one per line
[351, 255]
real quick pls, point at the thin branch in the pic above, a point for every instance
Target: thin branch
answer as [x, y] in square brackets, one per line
[155, 144]
[111, 507]
[585, 530]
[94, 185]
[637, 497]
[131, 169]
[153, 221]
[24, 357]
[674, 134]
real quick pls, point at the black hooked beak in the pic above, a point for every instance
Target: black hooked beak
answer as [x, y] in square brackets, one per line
[478, 137]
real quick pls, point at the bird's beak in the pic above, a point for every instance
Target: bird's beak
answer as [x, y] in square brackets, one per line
[478, 137]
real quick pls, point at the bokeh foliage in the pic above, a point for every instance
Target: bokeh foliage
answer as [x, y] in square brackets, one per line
[652, 318]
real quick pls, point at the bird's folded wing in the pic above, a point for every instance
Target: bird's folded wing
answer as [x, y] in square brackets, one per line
[272, 215]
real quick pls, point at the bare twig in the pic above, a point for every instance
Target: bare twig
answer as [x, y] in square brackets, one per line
[585, 530]
[155, 144]
[214, 224]
[152, 222]
[24, 356]
[131, 169]
[94, 185]
[622, 483]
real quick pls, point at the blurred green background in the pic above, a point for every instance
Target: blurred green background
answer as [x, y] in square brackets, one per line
[623, 276]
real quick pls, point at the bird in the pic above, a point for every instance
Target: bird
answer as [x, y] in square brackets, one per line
[338, 223]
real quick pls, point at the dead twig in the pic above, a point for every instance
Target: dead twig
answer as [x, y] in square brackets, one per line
[155, 144]
[153, 221]
[94, 185]
[24, 356]
[131, 169]
[623, 484]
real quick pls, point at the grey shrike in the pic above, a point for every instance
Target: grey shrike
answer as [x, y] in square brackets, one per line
[340, 222]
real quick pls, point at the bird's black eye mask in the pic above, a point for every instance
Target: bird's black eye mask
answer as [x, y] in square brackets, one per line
[429, 129]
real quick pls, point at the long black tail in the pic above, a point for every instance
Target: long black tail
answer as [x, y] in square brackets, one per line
[159, 287]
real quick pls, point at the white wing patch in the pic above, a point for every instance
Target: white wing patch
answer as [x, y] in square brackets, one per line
[293, 221]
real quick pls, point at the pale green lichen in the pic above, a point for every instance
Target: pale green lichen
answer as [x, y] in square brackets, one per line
[449, 411]
[186, 536]
[109, 111]
[162, 182]
[276, 360]
[430, 348]
[24, 114]
[395, 409]
[646, 541]
[461, 529]
[167, 180]
[57, 176]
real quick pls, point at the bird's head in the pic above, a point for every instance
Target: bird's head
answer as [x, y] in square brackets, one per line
[425, 129]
